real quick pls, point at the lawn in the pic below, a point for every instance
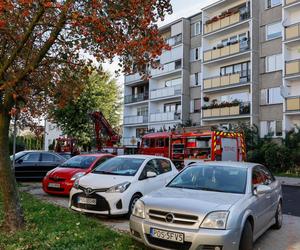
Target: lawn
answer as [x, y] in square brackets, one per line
[52, 227]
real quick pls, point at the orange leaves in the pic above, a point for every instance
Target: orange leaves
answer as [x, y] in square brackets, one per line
[2, 24]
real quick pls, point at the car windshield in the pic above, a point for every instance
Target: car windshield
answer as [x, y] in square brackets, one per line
[66, 156]
[79, 161]
[18, 155]
[119, 166]
[212, 178]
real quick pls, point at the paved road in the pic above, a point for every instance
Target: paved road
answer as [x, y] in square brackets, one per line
[288, 238]
[291, 200]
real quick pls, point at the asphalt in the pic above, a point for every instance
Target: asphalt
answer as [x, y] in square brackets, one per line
[291, 200]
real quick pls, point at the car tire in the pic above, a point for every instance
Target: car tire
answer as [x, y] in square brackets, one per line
[133, 200]
[278, 217]
[246, 242]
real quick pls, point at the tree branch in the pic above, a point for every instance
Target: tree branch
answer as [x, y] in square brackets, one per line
[25, 38]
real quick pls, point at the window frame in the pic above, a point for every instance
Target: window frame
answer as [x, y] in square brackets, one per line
[277, 62]
[269, 5]
[267, 29]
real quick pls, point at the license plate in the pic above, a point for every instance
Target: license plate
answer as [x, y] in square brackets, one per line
[54, 185]
[166, 235]
[88, 201]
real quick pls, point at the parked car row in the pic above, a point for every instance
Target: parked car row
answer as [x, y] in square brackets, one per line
[208, 205]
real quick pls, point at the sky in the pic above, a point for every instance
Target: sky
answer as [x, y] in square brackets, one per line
[181, 8]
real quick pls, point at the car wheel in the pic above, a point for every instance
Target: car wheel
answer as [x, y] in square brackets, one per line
[246, 242]
[133, 200]
[278, 217]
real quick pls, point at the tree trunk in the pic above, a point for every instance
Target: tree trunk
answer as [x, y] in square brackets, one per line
[13, 213]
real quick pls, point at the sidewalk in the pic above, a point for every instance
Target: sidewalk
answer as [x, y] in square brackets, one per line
[289, 181]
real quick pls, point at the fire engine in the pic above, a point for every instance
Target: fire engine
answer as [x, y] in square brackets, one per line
[187, 146]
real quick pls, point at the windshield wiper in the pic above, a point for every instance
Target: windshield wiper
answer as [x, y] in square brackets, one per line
[211, 189]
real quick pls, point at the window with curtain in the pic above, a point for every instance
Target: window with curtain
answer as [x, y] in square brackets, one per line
[273, 30]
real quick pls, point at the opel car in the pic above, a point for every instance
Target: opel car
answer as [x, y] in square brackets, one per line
[215, 205]
[114, 187]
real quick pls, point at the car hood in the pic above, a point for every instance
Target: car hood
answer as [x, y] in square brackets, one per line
[66, 173]
[96, 181]
[195, 202]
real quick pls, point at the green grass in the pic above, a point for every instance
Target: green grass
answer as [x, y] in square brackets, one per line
[52, 227]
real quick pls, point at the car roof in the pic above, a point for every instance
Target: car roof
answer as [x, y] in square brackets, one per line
[96, 154]
[227, 164]
[137, 156]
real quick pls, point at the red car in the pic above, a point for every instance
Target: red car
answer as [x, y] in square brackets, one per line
[60, 180]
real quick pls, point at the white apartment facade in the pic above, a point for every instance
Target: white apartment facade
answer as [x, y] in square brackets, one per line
[234, 62]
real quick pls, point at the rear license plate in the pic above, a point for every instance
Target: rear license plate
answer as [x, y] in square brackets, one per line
[54, 185]
[88, 201]
[167, 235]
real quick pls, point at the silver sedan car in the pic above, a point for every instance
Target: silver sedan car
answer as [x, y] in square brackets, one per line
[210, 206]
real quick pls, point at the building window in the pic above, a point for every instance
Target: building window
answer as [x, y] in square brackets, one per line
[140, 132]
[142, 111]
[270, 96]
[173, 82]
[273, 30]
[195, 79]
[272, 3]
[172, 107]
[195, 54]
[178, 64]
[197, 105]
[273, 63]
[196, 28]
[270, 128]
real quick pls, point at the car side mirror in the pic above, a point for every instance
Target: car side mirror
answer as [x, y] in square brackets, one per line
[151, 174]
[261, 189]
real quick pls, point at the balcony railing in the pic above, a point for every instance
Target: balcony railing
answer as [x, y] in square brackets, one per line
[292, 31]
[292, 67]
[227, 50]
[226, 110]
[132, 78]
[166, 116]
[129, 141]
[288, 2]
[135, 119]
[165, 92]
[175, 40]
[226, 80]
[226, 19]
[136, 98]
[168, 67]
[293, 103]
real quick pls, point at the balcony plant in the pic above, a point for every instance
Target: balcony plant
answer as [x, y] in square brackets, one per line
[215, 18]
[206, 98]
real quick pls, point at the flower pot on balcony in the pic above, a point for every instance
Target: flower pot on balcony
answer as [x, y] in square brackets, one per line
[224, 111]
[206, 112]
[215, 112]
[234, 110]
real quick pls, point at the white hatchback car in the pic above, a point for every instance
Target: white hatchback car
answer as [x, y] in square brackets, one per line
[114, 186]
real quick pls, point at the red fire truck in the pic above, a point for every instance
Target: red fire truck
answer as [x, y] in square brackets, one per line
[191, 145]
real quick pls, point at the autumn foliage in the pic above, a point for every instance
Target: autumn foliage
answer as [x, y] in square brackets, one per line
[43, 42]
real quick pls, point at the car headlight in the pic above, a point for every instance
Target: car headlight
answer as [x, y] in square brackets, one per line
[76, 184]
[215, 220]
[139, 209]
[120, 188]
[77, 175]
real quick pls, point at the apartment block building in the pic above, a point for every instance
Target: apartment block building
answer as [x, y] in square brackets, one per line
[234, 62]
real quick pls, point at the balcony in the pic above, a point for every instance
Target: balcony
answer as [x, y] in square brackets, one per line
[292, 67]
[136, 98]
[165, 92]
[166, 116]
[293, 103]
[225, 110]
[226, 80]
[133, 78]
[175, 40]
[292, 31]
[289, 2]
[167, 68]
[226, 19]
[225, 51]
[135, 119]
